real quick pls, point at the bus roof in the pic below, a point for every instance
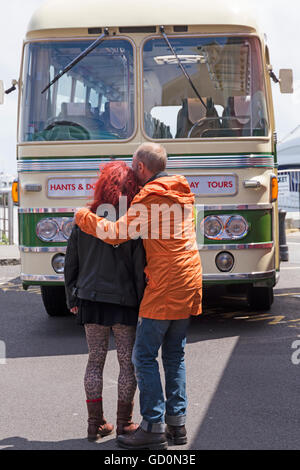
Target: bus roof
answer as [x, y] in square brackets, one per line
[66, 14]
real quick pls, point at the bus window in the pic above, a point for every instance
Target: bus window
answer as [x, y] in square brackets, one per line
[228, 75]
[82, 104]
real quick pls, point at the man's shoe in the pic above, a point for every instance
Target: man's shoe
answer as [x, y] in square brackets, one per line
[176, 435]
[141, 439]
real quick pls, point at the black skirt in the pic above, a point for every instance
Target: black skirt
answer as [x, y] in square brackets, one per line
[105, 314]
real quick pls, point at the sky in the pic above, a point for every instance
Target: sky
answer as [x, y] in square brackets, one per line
[279, 20]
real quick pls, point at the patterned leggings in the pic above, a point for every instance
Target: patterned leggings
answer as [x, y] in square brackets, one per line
[98, 340]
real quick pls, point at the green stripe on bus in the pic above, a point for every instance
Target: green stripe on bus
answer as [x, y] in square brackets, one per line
[260, 223]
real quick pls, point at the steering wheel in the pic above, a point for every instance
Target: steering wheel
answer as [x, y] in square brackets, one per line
[74, 131]
[208, 119]
[197, 124]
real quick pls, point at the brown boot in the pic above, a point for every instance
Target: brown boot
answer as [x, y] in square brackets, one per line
[125, 425]
[97, 425]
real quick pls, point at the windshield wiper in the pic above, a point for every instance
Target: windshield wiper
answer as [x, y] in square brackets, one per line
[77, 59]
[162, 30]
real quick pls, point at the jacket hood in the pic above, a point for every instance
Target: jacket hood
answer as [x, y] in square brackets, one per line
[173, 187]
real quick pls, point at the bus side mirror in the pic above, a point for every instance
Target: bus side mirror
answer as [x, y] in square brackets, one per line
[286, 80]
[1, 92]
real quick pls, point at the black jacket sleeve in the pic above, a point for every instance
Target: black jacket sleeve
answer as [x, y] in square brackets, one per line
[72, 268]
[139, 263]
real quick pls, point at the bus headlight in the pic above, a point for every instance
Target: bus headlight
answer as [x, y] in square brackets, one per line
[56, 229]
[47, 229]
[224, 262]
[224, 227]
[213, 227]
[58, 263]
[236, 227]
[67, 227]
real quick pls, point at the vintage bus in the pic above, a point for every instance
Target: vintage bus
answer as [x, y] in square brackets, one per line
[98, 79]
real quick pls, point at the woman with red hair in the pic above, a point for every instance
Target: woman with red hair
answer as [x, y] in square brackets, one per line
[104, 287]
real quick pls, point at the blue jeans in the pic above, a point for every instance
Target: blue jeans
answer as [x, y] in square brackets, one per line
[171, 336]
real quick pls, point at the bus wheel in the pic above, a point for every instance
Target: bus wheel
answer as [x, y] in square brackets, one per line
[260, 298]
[54, 299]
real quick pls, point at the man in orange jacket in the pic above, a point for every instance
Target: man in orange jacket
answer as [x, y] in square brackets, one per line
[162, 215]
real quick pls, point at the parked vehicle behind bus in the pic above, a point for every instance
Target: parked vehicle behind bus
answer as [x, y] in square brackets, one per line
[99, 79]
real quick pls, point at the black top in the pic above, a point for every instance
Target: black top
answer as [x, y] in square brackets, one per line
[106, 282]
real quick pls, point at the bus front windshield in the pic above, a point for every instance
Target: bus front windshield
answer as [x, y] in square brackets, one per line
[227, 73]
[93, 101]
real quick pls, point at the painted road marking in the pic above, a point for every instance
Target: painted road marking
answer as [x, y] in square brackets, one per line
[271, 319]
[275, 319]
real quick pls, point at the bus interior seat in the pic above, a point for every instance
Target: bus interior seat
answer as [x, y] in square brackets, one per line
[155, 128]
[191, 112]
[236, 126]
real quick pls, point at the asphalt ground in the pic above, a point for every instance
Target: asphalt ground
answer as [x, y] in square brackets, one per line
[242, 372]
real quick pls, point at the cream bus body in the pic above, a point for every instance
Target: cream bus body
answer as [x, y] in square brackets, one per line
[239, 167]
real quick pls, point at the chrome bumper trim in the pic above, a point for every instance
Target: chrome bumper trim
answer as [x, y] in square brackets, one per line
[45, 210]
[43, 249]
[249, 246]
[239, 277]
[206, 277]
[42, 278]
[206, 208]
[236, 207]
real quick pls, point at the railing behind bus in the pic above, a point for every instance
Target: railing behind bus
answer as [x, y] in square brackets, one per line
[289, 195]
[6, 217]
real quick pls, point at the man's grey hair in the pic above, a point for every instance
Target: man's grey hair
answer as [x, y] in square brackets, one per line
[154, 156]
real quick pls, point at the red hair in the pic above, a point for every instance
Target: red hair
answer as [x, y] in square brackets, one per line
[116, 179]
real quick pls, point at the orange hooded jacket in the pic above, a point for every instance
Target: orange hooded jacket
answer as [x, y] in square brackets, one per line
[162, 214]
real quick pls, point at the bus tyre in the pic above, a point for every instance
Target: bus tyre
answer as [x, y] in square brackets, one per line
[260, 298]
[54, 299]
